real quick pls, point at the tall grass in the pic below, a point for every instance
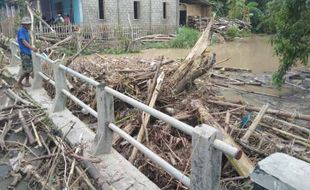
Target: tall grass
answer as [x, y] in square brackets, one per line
[185, 38]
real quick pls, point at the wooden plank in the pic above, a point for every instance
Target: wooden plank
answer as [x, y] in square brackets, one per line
[244, 165]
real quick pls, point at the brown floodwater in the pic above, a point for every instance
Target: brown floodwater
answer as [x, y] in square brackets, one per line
[253, 53]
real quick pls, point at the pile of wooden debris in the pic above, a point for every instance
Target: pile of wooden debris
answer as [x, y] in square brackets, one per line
[169, 86]
[221, 24]
[34, 152]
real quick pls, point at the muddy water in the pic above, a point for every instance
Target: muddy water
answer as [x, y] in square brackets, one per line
[253, 53]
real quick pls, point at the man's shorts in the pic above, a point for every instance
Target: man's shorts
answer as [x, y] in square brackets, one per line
[26, 63]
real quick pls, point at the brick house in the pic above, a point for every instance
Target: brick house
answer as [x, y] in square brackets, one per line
[193, 8]
[140, 13]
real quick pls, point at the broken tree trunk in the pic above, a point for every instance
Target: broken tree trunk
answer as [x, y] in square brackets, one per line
[146, 116]
[253, 126]
[190, 63]
[206, 64]
[243, 166]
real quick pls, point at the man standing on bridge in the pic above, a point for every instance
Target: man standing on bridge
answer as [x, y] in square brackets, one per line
[25, 48]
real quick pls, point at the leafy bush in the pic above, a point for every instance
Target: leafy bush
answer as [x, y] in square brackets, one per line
[186, 38]
[231, 33]
[291, 41]
[234, 32]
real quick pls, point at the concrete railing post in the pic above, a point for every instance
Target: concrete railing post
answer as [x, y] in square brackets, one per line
[206, 160]
[60, 84]
[105, 110]
[37, 67]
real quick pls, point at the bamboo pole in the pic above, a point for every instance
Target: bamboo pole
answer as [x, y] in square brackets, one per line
[146, 118]
[269, 111]
[243, 166]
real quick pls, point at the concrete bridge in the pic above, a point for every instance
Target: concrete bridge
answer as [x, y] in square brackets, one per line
[115, 172]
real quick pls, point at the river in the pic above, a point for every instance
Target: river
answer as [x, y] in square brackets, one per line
[253, 53]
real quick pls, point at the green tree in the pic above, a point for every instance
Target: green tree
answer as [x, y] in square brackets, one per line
[291, 41]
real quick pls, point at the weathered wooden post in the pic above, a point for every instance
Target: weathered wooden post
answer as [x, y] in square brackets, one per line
[206, 160]
[78, 38]
[60, 84]
[37, 79]
[14, 52]
[105, 110]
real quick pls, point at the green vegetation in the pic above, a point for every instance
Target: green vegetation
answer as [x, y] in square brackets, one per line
[292, 38]
[234, 32]
[287, 20]
[186, 38]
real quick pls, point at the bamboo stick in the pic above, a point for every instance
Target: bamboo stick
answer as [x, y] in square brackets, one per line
[270, 111]
[147, 116]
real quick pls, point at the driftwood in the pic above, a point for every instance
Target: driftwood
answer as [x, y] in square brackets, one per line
[288, 125]
[6, 129]
[51, 40]
[13, 95]
[36, 134]
[60, 42]
[206, 64]
[286, 134]
[253, 126]
[26, 128]
[232, 69]
[146, 116]
[79, 52]
[190, 64]
[243, 166]
[269, 111]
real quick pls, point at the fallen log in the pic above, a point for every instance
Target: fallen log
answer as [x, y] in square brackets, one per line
[190, 63]
[60, 42]
[51, 40]
[243, 166]
[269, 111]
[232, 69]
[206, 65]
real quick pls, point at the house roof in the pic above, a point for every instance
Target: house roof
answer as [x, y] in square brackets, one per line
[205, 2]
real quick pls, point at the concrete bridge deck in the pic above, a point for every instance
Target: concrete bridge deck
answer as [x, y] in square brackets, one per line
[116, 172]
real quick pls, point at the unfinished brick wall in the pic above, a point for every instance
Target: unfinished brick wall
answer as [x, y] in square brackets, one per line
[116, 13]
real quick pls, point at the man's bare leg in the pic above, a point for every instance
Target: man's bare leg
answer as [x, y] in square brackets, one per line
[21, 80]
[27, 84]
